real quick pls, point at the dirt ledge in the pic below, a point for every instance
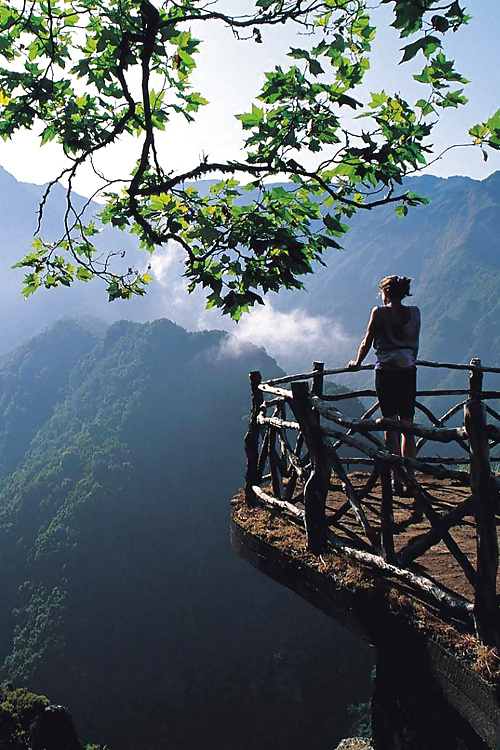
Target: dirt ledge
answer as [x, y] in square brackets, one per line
[372, 598]
[355, 743]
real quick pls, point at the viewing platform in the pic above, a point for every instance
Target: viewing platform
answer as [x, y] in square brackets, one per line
[417, 574]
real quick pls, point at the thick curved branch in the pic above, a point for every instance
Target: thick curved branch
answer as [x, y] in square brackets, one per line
[232, 167]
[292, 13]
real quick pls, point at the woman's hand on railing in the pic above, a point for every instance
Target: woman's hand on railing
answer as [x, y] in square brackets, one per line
[353, 365]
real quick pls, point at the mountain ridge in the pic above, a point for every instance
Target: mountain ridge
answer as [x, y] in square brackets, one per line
[448, 247]
[122, 598]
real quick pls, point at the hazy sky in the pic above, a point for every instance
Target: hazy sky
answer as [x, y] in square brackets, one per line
[230, 75]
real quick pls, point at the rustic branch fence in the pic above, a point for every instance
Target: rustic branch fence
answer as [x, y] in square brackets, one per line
[293, 446]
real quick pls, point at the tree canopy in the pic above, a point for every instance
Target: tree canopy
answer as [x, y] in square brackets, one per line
[89, 73]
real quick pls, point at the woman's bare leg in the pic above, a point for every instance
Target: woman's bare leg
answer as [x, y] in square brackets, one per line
[408, 447]
[393, 443]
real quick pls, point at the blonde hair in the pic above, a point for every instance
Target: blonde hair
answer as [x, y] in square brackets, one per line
[396, 287]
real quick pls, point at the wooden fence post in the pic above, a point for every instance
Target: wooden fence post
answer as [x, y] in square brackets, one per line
[387, 515]
[273, 463]
[317, 379]
[252, 475]
[485, 601]
[316, 487]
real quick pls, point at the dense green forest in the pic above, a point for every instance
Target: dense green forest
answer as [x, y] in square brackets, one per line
[119, 451]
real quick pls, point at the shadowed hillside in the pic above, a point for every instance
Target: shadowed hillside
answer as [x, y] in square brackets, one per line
[121, 597]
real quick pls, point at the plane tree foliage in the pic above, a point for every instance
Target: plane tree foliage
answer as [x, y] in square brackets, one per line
[89, 74]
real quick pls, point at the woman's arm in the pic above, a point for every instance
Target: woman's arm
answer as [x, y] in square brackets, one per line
[367, 342]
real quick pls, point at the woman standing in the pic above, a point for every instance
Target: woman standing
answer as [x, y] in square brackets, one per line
[394, 331]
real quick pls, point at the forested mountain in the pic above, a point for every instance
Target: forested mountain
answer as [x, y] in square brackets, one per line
[119, 451]
[449, 247]
[20, 318]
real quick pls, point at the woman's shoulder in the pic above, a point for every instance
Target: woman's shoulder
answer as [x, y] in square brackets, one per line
[415, 320]
[376, 313]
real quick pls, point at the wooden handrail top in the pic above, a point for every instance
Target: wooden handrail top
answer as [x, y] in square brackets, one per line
[362, 368]
[437, 392]
[288, 379]
[419, 363]
[451, 366]
[368, 392]
[266, 388]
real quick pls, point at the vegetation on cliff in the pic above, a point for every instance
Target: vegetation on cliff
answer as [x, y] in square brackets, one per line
[122, 598]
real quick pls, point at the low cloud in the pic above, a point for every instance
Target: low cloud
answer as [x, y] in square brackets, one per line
[166, 263]
[295, 339]
[168, 296]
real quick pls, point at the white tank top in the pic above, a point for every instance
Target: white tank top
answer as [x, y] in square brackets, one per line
[396, 345]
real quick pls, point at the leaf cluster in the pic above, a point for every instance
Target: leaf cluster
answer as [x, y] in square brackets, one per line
[91, 72]
[18, 708]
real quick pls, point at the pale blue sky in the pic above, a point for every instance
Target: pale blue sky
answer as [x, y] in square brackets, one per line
[230, 74]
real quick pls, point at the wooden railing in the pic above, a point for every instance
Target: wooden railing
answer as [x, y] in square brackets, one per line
[293, 446]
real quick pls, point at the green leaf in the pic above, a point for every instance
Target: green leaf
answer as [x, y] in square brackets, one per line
[479, 133]
[48, 134]
[334, 224]
[315, 68]
[251, 120]
[425, 106]
[83, 274]
[377, 99]
[426, 44]
[494, 122]
[34, 50]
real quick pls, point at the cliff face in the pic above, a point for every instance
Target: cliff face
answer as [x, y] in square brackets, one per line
[122, 598]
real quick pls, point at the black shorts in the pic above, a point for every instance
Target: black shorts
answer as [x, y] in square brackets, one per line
[396, 390]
